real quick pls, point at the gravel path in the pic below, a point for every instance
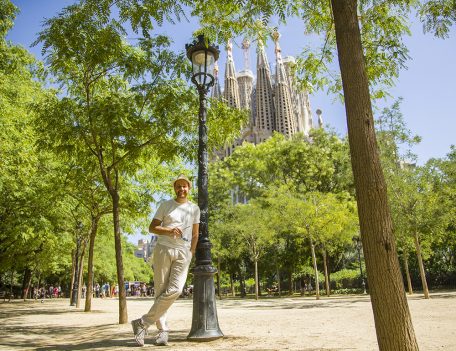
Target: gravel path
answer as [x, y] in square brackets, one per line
[301, 323]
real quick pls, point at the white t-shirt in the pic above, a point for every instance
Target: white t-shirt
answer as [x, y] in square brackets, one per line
[174, 214]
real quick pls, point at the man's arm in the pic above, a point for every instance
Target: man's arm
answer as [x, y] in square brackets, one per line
[156, 228]
[195, 233]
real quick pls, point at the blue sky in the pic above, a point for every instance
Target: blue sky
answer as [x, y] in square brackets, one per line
[427, 86]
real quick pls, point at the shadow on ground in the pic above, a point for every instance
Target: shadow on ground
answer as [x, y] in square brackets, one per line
[13, 312]
[295, 303]
[108, 337]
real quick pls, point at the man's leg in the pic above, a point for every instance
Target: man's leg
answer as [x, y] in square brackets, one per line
[162, 263]
[176, 282]
[177, 279]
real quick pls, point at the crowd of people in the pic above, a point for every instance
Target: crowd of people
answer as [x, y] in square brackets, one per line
[142, 290]
[136, 289]
[47, 292]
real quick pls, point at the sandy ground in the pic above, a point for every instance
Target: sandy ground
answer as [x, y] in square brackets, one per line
[301, 323]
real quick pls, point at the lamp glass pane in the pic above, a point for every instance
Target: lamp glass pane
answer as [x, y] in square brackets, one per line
[198, 57]
[210, 62]
[201, 67]
[198, 61]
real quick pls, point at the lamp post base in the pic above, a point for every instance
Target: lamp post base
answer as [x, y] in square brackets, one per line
[205, 325]
[364, 287]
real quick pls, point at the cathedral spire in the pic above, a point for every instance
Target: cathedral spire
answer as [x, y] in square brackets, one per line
[264, 100]
[275, 37]
[245, 80]
[245, 49]
[285, 114]
[231, 92]
[216, 90]
[320, 119]
[274, 101]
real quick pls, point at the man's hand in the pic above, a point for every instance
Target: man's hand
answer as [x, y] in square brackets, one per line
[176, 232]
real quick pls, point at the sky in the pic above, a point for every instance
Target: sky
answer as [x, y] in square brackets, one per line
[427, 86]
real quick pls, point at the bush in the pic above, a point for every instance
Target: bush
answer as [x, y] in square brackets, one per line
[345, 279]
[347, 291]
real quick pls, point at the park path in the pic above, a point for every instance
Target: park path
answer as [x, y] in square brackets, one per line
[302, 323]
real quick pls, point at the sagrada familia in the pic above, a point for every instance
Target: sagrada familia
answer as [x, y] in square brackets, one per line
[274, 101]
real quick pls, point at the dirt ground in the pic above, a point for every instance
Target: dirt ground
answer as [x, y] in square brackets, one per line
[301, 323]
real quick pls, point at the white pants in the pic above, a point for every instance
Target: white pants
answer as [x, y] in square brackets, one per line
[170, 273]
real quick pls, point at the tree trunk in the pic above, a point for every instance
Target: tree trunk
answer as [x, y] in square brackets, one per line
[81, 274]
[219, 264]
[279, 286]
[114, 193]
[233, 291]
[256, 278]
[242, 285]
[391, 312]
[123, 315]
[73, 271]
[325, 267]
[290, 282]
[407, 274]
[26, 283]
[89, 290]
[421, 265]
[11, 285]
[314, 261]
[39, 280]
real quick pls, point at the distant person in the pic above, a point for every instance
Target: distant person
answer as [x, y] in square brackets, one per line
[176, 223]
[143, 290]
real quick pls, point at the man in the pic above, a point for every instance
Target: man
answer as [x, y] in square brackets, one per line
[177, 224]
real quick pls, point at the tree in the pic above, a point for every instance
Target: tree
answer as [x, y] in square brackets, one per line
[255, 237]
[415, 201]
[31, 206]
[413, 198]
[120, 125]
[257, 171]
[337, 234]
[227, 246]
[322, 220]
[320, 163]
[442, 264]
[394, 330]
[82, 185]
[395, 144]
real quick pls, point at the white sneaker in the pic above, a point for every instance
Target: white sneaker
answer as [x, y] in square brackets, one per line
[139, 330]
[162, 338]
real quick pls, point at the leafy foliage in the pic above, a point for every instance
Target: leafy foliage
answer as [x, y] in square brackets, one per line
[438, 16]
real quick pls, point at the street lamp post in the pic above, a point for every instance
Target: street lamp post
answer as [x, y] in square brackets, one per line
[358, 247]
[204, 322]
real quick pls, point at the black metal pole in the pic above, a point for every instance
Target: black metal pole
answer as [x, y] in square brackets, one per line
[203, 184]
[205, 325]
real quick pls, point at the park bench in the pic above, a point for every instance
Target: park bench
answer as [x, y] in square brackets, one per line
[4, 295]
